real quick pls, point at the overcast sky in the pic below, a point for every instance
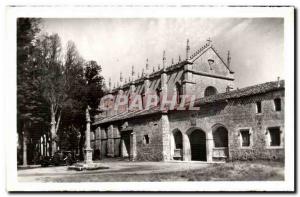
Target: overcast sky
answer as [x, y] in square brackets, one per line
[256, 45]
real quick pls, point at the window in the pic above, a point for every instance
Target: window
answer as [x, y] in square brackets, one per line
[146, 139]
[179, 92]
[158, 96]
[258, 107]
[210, 91]
[245, 137]
[178, 140]
[220, 137]
[210, 63]
[274, 136]
[277, 103]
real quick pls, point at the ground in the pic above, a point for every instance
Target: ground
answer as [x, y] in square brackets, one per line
[124, 171]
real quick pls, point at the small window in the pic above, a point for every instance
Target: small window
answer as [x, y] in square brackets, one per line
[210, 90]
[146, 139]
[245, 135]
[277, 103]
[258, 107]
[274, 136]
[210, 63]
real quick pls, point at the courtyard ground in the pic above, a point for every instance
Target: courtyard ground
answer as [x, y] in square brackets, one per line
[124, 171]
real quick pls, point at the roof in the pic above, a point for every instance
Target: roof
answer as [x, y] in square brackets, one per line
[175, 66]
[238, 93]
[243, 92]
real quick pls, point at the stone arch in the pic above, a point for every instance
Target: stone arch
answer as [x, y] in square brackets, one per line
[177, 145]
[220, 135]
[210, 90]
[220, 139]
[198, 144]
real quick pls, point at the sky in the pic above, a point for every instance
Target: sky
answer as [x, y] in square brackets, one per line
[255, 44]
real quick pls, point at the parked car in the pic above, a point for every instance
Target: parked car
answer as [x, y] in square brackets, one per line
[60, 158]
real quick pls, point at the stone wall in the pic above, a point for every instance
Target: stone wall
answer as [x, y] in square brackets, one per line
[152, 149]
[152, 135]
[235, 115]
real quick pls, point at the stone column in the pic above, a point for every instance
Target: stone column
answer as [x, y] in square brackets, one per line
[165, 130]
[25, 148]
[88, 151]
[186, 148]
[98, 141]
[209, 146]
[110, 141]
[133, 146]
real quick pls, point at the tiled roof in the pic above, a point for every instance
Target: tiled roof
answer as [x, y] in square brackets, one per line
[238, 93]
[243, 92]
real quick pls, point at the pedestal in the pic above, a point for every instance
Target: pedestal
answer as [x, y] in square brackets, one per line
[88, 159]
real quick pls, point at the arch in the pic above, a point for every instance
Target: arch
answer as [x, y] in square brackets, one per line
[177, 138]
[210, 90]
[179, 92]
[177, 145]
[220, 135]
[220, 141]
[197, 139]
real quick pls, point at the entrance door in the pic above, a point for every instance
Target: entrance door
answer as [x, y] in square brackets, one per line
[125, 143]
[198, 145]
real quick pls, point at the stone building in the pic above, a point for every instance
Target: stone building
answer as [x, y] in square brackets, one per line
[230, 124]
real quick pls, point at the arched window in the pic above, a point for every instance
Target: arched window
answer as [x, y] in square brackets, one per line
[179, 92]
[220, 136]
[178, 140]
[158, 96]
[210, 90]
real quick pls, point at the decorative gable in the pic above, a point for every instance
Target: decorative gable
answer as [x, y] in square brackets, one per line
[209, 61]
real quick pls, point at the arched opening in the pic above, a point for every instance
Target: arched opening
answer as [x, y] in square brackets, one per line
[210, 90]
[198, 145]
[178, 139]
[177, 147]
[220, 137]
[179, 92]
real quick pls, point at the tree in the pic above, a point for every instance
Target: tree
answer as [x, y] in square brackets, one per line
[73, 107]
[52, 83]
[29, 102]
[94, 85]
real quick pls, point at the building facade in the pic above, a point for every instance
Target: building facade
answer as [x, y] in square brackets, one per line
[229, 124]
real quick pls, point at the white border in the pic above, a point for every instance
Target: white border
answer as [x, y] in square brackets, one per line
[138, 12]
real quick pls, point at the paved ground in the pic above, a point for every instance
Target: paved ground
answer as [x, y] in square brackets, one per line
[155, 171]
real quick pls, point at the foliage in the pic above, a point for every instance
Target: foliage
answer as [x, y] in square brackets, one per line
[53, 86]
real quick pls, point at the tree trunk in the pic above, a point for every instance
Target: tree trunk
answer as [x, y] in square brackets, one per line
[53, 132]
[25, 163]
